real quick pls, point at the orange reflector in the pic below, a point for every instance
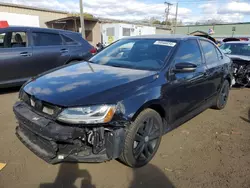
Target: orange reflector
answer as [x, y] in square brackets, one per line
[109, 115]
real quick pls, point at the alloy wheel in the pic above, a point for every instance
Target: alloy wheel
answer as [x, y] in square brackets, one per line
[146, 140]
[224, 95]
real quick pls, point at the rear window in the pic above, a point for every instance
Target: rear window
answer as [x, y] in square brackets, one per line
[46, 39]
[78, 38]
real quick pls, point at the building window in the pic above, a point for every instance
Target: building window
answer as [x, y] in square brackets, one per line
[89, 35]
[125, 31]
[110, 31]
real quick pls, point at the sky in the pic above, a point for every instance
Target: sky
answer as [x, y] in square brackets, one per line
[190, 11]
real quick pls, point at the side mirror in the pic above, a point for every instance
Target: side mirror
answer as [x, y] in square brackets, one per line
[184, 67]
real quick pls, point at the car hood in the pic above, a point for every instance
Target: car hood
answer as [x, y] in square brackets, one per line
[239, 57]
[86, 83]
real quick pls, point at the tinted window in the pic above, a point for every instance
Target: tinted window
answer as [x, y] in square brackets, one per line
[148, 54]
[68, 41]
[13, 40]
[189, 52]
[78, 38]
[46, 39]
[210, 52]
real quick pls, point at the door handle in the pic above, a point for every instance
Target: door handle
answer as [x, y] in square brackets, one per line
[25, 54]
[64, 51]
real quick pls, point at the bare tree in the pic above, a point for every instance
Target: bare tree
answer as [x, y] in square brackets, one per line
[213, 21]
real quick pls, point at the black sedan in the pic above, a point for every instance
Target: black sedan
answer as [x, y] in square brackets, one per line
[121, 102]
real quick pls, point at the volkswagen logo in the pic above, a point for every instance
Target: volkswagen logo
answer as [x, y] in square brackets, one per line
[38, 105]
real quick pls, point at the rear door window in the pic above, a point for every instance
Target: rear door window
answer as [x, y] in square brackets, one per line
[210, 52]
[46, 39]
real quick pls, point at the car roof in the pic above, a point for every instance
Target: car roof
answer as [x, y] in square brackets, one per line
[16, 28]
[166, 36]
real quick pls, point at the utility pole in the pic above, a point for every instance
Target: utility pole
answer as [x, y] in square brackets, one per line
[176, 15]
[82, 19]
[167, 10]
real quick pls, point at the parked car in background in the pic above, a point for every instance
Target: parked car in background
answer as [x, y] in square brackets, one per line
[230, 39]
[121, 102]
[239, 52]
[26, 52]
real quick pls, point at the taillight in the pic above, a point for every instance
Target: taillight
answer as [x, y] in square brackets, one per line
[93, 50]
[4, 24]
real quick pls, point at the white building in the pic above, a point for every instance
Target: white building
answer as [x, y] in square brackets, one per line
[14, 19]
[21, 15]
[115, 31]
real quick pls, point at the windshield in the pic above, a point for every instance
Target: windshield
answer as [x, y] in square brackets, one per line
[236, 48]
[145, 54]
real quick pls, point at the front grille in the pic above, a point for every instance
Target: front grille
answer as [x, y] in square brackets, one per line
[40, 106]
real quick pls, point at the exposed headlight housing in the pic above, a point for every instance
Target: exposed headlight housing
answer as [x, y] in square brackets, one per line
[87, 115]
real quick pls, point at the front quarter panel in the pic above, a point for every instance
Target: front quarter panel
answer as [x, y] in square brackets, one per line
[143, 97]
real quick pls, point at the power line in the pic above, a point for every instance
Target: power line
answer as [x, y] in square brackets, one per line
[167, 10]
[176, 14]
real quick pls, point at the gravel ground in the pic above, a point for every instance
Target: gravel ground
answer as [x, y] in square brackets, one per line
[211, 150]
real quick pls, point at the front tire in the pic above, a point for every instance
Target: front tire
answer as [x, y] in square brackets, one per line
[222, 96]
[142, 139]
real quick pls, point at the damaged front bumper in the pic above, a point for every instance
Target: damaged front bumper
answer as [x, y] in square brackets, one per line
[55, 143]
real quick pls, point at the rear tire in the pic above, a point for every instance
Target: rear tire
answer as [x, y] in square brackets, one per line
[142, 139]
[222, 96]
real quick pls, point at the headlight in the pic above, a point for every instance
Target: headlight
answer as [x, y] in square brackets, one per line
[23, 96]
[87, 115]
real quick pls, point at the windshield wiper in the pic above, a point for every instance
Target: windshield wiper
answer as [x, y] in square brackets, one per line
[115, 65]
[121, 66]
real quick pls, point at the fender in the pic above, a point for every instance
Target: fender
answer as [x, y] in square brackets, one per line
[149, 97]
